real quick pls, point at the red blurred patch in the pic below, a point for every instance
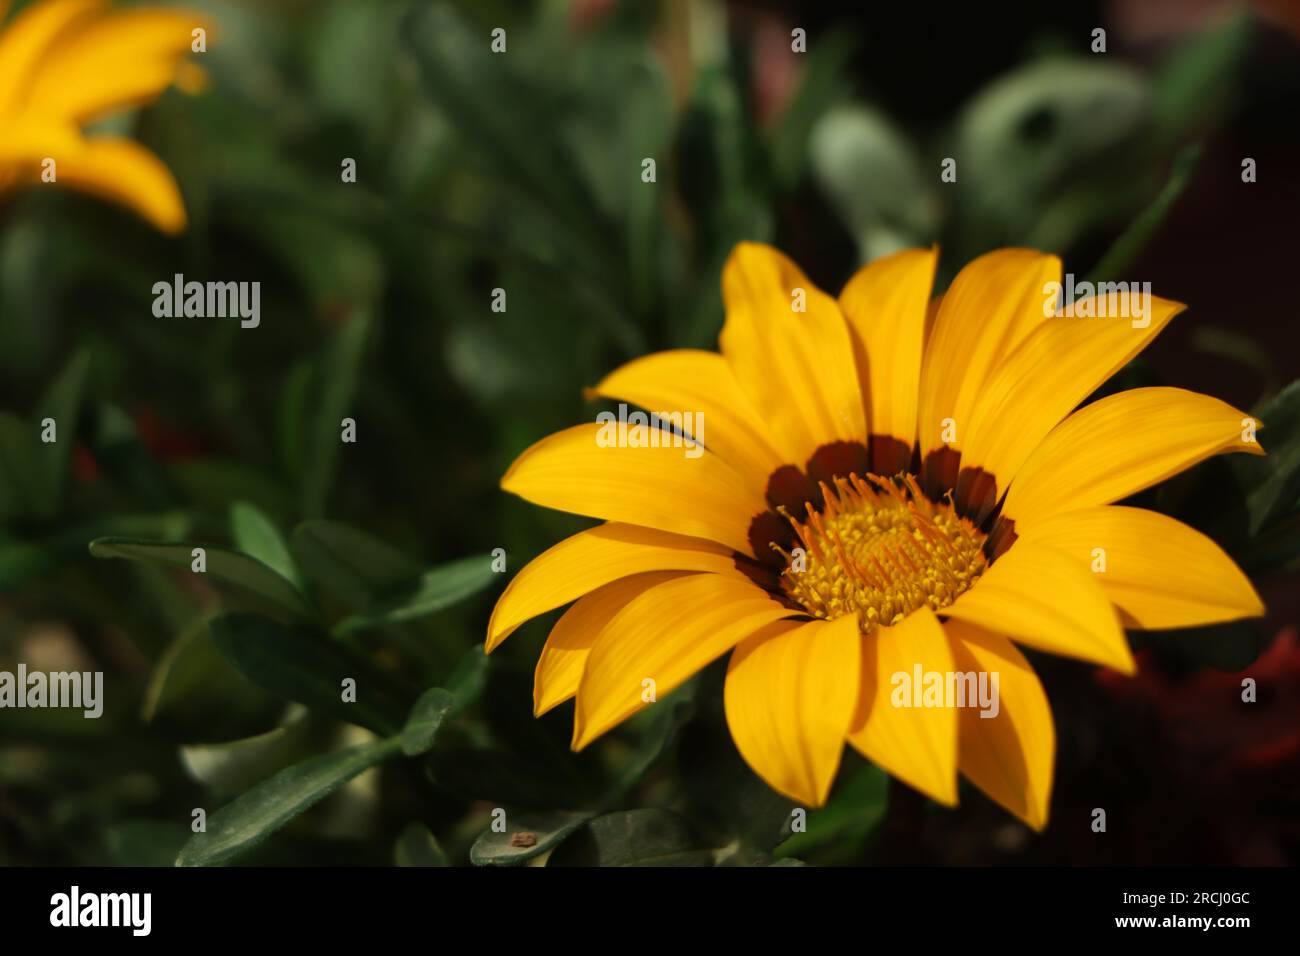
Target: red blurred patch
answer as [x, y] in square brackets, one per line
[164, 441]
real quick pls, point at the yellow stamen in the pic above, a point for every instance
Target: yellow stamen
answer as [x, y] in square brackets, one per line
[881, 551]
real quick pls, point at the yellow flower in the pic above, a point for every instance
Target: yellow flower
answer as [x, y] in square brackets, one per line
[890, 489]
[65, 64]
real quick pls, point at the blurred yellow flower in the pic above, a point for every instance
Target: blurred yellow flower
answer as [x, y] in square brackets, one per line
[894, 493]
[65, 64]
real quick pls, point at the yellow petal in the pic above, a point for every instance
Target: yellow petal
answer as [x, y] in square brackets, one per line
[126, 173]
[121, 60]
[791, 691]
[28, 140]
[991, 306]
[797, 368]
[559, 669]
[590, 559]
[656, 487]
[660, 639]
[29, 39]
[695, 381]
[1157, 571]
[1118, 446]
[1009, 756]
[886, 303]
[1042, 596]
[1057, 366]
[916, 744]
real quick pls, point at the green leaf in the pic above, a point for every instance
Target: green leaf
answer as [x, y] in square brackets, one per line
[824, 83]
[725, 794]
[527, 835]
[145, 842]
[20, 476]
[418, 847]
[436, 589]
[468, 678]
[228, 567]
[255, 535]
[1196, 81]
[1050, 151]
[62, 403]
[356, 567]
[856, 807]
[1272, 482]
[232, 766]
[1134, 239]
[334, 384]
[302, 666]
[669, 716]
[426, 719]
[870, 172]
[647, 837]
[267, 807]
[193, 686]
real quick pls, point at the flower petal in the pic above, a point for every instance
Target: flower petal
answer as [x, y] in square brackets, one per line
[1118, 446]
[1010, 756]
[126, 173]
[1158, 571]
[916, 744]
[797, 368]
[559, 669]
[692, 380]
[28, 40]
[666, 635]
[112, 62]
[992, 304]
[886, 304]
[1042, 596]
[591, 559]
[791, 692]
[656, 487]
[1057, 366]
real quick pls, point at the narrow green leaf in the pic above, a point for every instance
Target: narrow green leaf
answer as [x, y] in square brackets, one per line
[350, 564]
[856, 807]
[468, 678]
[334, 384]
[145, 842]
[646, 837]
[271, 804]
[418, 847]
[228, 567]
[526, 835]
[302, 666]
[426, 719]
[62, 403]
[1273, 482]
[255, 535]
[194, 686]
[20, 476]
[436, 589]
[233, 766]
[1134, 239]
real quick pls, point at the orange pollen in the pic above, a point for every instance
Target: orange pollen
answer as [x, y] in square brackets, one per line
[880, 550]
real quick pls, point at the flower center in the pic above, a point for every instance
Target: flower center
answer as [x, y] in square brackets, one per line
[881, 551]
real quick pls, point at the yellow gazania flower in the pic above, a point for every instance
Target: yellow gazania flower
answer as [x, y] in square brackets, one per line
[993, 521]
[67, 63]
